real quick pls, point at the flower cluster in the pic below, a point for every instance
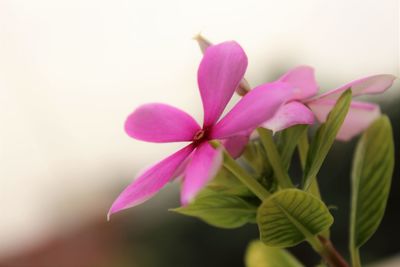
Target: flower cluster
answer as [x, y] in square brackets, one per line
[288, 101]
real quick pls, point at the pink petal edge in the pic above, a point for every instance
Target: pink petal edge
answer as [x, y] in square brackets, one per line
[244, 86]
[160, 123]
[150, 182]
[369, 85]
[303, 79]
[256, 107]
[220, 72]
[288, 115]
[358, 119]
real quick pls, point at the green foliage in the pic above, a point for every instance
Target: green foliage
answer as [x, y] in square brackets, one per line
[371, 178]
[260, 255]
[287, 141]
[273, 155]
[254, 156]
[290, 216]
[226, 183]
[225, 202]
[225, 211]
[325, 137]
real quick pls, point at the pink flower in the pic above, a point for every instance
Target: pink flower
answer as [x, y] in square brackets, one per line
[220, 72]
[360, 116]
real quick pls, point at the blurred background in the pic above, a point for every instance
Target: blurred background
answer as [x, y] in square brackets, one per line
[72, 70]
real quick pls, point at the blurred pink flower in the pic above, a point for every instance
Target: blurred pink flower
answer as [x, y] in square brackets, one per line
[220, 72]
[360, 116]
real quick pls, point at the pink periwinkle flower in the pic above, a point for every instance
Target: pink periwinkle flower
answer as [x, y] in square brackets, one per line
[306, 103]
[297, 111]
[220, 72]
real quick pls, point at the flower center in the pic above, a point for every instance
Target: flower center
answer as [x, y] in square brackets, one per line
[199, 135]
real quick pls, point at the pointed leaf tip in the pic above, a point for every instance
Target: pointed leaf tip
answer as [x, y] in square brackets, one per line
[325, 137]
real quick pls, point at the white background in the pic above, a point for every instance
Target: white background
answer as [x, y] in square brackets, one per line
[72, 70]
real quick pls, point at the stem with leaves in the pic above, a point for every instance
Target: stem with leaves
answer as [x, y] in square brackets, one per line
[303, 147]
[321, 244]
[245, 178]
[271, 150]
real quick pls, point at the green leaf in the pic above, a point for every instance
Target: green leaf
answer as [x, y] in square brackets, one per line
[260, 255]
[325, 137]
[290, 216]
[287, 141]
[254, 155]
[225, 211]
[371, 178]
[280, 172]
[225, 182]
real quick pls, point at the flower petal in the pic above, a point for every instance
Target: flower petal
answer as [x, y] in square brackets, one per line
[204, 165]
[303, 79]
[256, 107]
[289, 114]
[244, 86]
[219, 74]
[369, 85]
[161, 123]
[235, 145]
[359, 117]
[151, 181]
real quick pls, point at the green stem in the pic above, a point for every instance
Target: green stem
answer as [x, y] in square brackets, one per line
[245, 178]
[355, 258]
[320, 244]
[354, 250]
[303, 147]
[280, 172]
[327, 251]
